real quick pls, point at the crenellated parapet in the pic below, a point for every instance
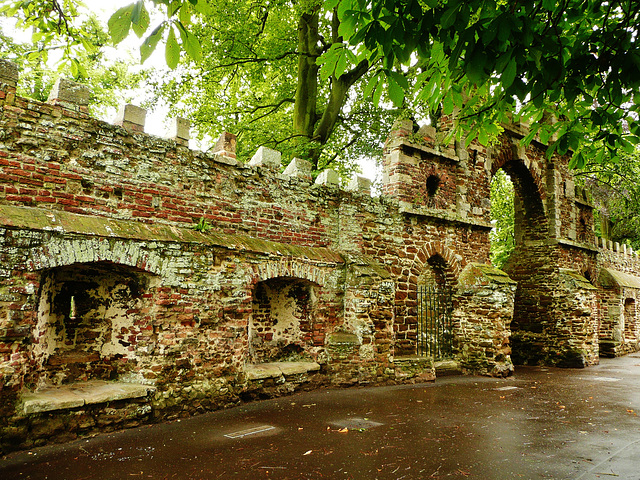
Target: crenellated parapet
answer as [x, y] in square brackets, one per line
[190, 280]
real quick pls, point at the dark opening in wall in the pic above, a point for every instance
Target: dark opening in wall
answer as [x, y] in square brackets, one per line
[282, 320]
[88, 322]
[433, 182]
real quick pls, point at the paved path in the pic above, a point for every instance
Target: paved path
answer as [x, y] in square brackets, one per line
[539, 424]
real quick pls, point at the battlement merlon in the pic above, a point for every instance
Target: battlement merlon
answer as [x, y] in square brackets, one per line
[70, 98]
[9, 74]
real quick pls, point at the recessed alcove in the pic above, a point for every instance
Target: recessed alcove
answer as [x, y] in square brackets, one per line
[282, 319]
[89, 323]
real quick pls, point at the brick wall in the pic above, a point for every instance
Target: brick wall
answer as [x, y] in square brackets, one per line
[285, 269]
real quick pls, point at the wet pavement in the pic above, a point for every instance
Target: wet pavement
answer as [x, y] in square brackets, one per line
[541, 423]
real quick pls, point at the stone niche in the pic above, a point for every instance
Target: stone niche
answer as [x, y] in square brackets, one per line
[89, 323]
[282, 321]
[619, 332]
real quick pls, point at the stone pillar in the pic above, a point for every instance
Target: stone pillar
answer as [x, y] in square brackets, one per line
[132, 118]
[359, 184]
[328, 177]
[485, 308]
[266, 157]
[70, 94]
[9, 73]
[299, 168]
[8, 81]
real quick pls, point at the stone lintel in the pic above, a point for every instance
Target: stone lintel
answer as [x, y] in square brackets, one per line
[299, 168]
[66, 91]
[266, 157]
[328, 177]
[9, 73]
[131, 118]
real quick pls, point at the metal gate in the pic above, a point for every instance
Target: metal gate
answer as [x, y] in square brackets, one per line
[435, 332]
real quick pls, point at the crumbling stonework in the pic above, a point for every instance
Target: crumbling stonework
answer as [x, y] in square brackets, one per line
[141, 280]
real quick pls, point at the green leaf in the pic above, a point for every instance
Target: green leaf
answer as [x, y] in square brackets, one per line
[174, 6]
[190, 43]
[447, 104]
[347, 27]
[203, 7]
[377, 93]
[172, 50]
[331, 4]
[509, 74]
[137, 11]
[140, 26]
[400, 79]
[150, 43]
[119, 24]
[577, 161]
[396, 93]
[185, 14]
[371, 85]
[449, 17]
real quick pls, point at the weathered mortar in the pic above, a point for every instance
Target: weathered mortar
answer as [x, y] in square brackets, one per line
[295, 284]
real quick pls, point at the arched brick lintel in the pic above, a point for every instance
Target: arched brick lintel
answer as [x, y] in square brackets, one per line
[73, 251]
[509, 150]
[292, 268]
[455, 263]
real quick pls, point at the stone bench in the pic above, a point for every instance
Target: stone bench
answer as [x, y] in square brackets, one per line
[261, 371]
[79, 394]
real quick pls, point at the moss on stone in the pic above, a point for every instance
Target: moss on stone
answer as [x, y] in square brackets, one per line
[65, 222]
[478, 273]
[578, 281]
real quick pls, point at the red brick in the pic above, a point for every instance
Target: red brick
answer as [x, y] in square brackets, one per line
[19, 198]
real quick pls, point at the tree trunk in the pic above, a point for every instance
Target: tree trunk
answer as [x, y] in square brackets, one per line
[304, 110]
[308, 124]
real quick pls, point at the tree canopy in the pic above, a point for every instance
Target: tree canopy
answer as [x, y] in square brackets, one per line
[576, 62]
[570, 69]
[259, 73]
[76, 38]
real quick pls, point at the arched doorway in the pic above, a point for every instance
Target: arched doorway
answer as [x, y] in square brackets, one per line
[434, 329]
[283, 318]
[531, 262]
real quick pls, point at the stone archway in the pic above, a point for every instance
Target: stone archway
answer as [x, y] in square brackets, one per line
[531, 263]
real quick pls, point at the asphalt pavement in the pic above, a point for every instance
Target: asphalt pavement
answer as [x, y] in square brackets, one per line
[541, 423]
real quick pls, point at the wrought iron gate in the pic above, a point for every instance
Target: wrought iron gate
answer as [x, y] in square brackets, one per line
[435, 332]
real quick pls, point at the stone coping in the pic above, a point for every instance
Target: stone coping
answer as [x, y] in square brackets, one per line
[62, 222]
[613, 278]
[410, 209]
[80, 394]
[261, 371]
